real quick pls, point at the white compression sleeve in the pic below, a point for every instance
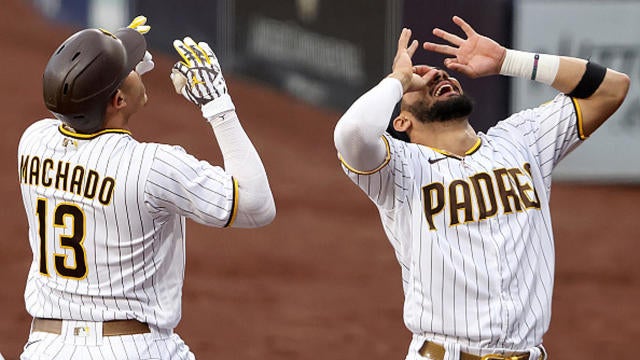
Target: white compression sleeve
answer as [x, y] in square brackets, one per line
[357, 133]
[255, 200]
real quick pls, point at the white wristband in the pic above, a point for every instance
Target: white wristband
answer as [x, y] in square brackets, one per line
[539, 67]
[218, 106]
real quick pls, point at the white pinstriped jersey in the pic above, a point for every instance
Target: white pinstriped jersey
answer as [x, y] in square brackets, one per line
[106, 220]
[473, 234]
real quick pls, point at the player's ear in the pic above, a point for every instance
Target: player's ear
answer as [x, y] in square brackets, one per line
[401, 124]
[118, 100]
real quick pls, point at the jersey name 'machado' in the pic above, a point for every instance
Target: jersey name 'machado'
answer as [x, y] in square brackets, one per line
[62, 176]
[476, 198]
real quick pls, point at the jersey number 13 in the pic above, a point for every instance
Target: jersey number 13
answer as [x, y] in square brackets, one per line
[70, 216]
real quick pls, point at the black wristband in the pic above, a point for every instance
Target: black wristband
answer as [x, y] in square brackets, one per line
[590, 82]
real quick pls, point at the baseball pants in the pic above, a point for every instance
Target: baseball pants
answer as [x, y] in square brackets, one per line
[84, 340]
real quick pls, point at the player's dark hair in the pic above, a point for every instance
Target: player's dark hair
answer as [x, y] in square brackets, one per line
[400, 135]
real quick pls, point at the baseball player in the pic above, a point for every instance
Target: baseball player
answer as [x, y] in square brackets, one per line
[107, 213]
[467, 213]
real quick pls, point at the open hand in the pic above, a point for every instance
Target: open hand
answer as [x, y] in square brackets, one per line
[198, 76]
[199, 79]
[475, 56]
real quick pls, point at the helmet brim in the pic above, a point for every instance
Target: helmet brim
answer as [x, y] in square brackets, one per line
[135, 46]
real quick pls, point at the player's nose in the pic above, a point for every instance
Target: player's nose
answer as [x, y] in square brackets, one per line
[436, 76]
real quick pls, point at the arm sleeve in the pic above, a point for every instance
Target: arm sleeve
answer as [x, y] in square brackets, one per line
[178, 183]
[256, 206]
[358, 133]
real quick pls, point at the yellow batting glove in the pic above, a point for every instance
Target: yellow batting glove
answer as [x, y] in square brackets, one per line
[138, 24]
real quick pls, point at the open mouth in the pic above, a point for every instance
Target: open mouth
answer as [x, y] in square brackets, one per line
[444, 88]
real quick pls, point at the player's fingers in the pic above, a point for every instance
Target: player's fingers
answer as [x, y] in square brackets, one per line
[418, 82]
[403, 40]
[454, 65]
[178, 79]
[212, 58]
[198, 54]
[143, 29]
[412, 48]
[464, 26]
[184, 52]
[146, 64]
[138, 24]
[451, 38]
[431, 74]
[181, 68]
[207, 50]
[421, 70]
[440, 48]
[137, 21]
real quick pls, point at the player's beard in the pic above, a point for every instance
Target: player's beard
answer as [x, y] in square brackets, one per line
[455, 107]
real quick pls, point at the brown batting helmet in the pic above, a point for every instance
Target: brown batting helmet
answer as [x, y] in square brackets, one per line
[84, 73]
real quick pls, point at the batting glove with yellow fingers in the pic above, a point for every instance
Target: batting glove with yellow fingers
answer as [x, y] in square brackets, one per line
[199, 78]
[139, 24]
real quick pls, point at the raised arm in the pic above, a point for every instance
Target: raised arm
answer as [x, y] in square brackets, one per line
[600, 91]
[358, 133]
[199, 79]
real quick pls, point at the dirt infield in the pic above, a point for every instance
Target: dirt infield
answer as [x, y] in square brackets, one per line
[321, 282]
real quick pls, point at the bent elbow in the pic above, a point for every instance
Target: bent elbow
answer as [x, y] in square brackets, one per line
[267, 215]
[619, 88]
[340, 132]
[254, 214]
[625, 83]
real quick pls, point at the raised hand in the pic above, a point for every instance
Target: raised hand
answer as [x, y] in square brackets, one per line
[139, 24]
[198, 77]
[475, 56]
[403, 69]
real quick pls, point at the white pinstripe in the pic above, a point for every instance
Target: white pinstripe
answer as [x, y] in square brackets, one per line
[134, 242]
[484, 284]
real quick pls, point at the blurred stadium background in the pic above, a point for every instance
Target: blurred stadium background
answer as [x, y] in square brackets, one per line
[328, 52]
[327, 283]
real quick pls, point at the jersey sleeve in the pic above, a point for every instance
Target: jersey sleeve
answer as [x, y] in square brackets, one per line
[551, 131]
[386, 185]
[178, 183]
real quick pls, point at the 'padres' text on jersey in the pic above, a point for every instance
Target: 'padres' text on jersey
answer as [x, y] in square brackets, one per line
[473, 234]
[106, 220]
[476, 198]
